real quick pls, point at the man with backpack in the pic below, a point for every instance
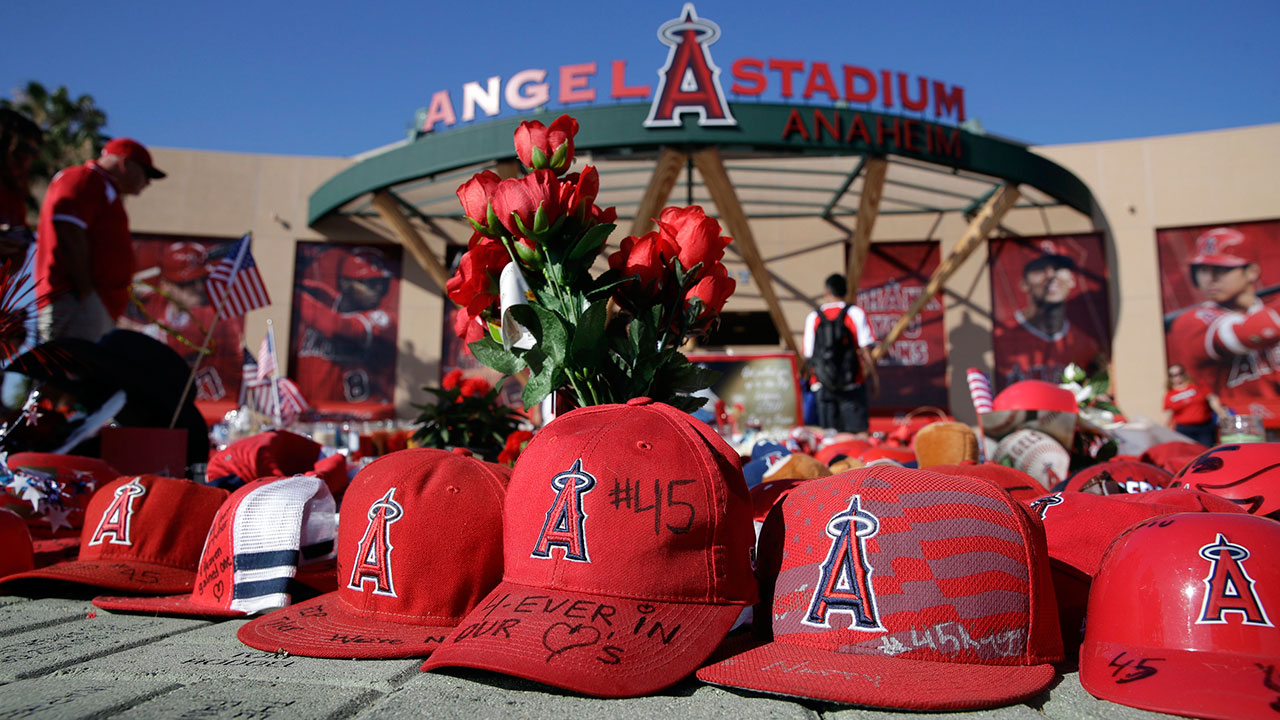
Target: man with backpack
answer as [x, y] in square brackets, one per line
[837, 338]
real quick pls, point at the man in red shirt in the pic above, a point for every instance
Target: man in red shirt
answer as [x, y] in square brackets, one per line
[1231, 342]
[844, 409]
[84, 252]
[1042, 339]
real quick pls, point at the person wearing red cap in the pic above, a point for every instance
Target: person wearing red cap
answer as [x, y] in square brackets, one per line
[348, 335]
[84, 252]
[1041, 339]
[1230, 343]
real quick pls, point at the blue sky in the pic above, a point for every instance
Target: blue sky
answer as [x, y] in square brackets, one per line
[339, 78]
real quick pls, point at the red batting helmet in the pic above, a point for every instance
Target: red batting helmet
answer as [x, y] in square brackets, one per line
[1247, 474]
[1035, 395]
[1182, 617]
[364, 263]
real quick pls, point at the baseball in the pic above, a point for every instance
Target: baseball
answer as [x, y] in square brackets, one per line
[1036, 454]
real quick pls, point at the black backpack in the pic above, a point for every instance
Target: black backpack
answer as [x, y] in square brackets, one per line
[835, 354]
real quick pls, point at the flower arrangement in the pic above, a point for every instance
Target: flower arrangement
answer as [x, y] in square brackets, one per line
[531, 302]
[467, 413]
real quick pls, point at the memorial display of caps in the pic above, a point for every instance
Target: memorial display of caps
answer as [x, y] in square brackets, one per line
[628, 538]
[902, 589]
[1018, 484]
[1118, 476]
[1079, 526]
[419, 544]
[258, 538]
[1247, 474]
[1182, 617]
[275, 453]
[142, 534]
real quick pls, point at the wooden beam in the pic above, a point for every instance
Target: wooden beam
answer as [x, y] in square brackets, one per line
[868, 210]
[389, 210]
[716, 179]
[992, 212]
[665, 174]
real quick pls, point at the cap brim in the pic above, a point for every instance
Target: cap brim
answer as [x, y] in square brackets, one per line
[132, 576]
[592, 644]
[1219, 260]
[1181, 682]
[183, 605]
[780, 668]
[330, 628]
[155, 173]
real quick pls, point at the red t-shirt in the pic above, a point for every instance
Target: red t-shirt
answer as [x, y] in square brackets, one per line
[1233, 354]
[1190, 405]
[1024, 353]
[85, 195]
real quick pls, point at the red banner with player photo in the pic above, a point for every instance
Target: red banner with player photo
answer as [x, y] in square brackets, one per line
[914, 372]
[169, 303]
[346, 307]
[1049, 307]
[1220, 285]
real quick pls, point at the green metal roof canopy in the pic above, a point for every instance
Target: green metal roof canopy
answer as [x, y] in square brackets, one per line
[931, 152]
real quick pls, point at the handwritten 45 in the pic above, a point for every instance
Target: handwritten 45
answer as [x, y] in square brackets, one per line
[631, 495]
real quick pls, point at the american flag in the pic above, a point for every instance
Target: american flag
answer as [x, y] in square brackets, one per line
[292, 404]
[267, 358]
[235, 285]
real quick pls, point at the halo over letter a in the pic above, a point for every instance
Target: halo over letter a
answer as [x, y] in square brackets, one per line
[845, 583]
[690, 81]
[564, 526]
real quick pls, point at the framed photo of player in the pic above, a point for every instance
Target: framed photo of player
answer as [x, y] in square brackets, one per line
[346, 311]
[168, 302]
[1220, 285]
[1049, 307]
[914, 372]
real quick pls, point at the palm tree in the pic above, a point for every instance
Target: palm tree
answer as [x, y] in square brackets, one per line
[72, 129]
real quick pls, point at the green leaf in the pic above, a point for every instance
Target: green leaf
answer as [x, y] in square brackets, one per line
[537, 387]
[491, 354]
[588, 337]
[550, 331]
[538, 158]
[528, 256]
[590, 242]
[559, 158]
[682, 377]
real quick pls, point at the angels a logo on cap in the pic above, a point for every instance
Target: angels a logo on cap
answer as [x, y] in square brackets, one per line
[565, 523]
[844, 585]
[373, 556]
[115, 522]
[1041, 506]
[1228, 587]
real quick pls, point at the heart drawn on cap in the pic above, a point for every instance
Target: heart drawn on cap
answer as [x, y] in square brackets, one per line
[562, 636]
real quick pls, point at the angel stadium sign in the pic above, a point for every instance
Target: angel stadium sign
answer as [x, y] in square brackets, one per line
[689, 83]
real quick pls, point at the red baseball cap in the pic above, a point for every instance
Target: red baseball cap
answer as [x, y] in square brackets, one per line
[1035, 395]
[1182, 617]
[1079, 526]
[1225, 247]
[1172, 456]
[905, 589]
[133, 150]
[72, 480]
[764, 496]
[628, 539]
[16, 541]
[276, 453]
[419, 543]
[1021, 486]
[259, 537]
[1247, 474]
[1118, 477]
[183, 262]
[142, 534]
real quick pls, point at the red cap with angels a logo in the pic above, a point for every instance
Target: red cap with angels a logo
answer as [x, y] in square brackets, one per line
[904, 589]
[419, 543]
[627, 534]
[142, 534]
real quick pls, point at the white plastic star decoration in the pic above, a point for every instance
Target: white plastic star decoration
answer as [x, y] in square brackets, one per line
[57, 518]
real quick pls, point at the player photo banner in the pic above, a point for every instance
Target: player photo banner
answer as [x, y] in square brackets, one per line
[1220, 285]
[346, 307]
[169, 303]
[1049, 307]
[914, 372]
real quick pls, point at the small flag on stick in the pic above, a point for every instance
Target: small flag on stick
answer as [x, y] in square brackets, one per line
[234, 285]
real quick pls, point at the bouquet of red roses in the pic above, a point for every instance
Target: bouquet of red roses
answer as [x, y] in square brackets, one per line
[531, 301]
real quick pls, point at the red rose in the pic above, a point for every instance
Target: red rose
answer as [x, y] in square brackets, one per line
[524, 197]
[713, 290]
[451, 379]
[475, 196]
[474, 387]
[543, 148]
[696, 235]
[646, 257]
[475, 284]
[469, 328]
